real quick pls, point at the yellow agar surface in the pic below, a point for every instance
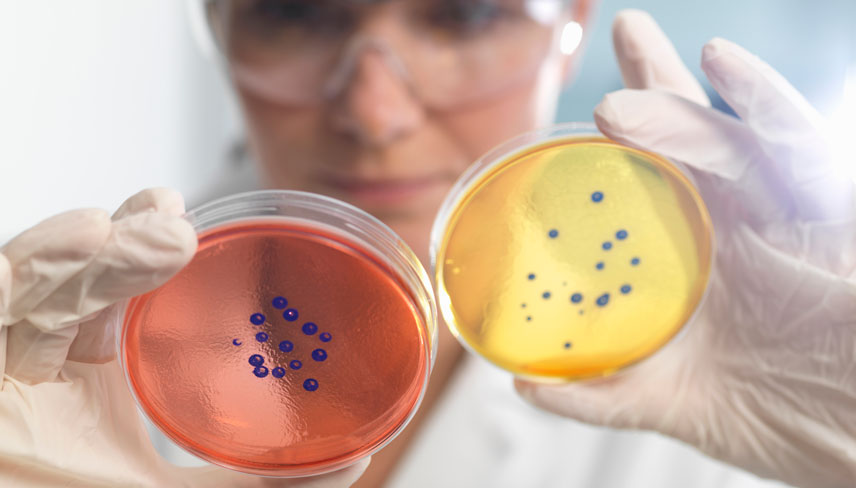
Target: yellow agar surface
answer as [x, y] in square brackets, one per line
[528, 236]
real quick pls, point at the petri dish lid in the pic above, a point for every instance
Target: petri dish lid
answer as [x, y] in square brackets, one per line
[297, 341]
[562, 255]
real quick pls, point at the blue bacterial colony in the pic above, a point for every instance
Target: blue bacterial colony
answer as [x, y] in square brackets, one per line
[577, 297]
[286, 346]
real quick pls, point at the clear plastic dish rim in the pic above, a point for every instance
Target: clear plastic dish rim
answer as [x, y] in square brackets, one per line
[497, 156]
[349, 222]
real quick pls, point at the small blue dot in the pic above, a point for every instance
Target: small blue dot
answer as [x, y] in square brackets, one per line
[603, 300]
[319, 354]
[546, 295]
[257, 319]
[596, 196]
[286, 346]
[256, 360]
[522, 305]
[599, 265]
[581, 312]
[295, 364]
[634, 261]
[290, 315]
[325, 337]
[278, 372]
[621, 235]
[236, 342]
[260, 371]
[262, 337]
[280, 302]
[606, 246]
[531, 276]
[553, 233]
[577, 297]
[310, 385]
[567, 345]
[625, 289]
[310, 328]
[528, 318]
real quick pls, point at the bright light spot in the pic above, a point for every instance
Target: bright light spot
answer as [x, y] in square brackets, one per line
[544, 11]
[843, 125]
[572, 36]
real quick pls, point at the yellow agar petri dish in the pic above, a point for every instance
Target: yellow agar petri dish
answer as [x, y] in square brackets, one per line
[563, 255]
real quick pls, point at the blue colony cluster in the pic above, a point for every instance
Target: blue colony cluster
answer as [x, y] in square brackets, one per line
[577, 297]
[257, 361]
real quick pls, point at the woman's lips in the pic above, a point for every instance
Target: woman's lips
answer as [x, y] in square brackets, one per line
[386, 192]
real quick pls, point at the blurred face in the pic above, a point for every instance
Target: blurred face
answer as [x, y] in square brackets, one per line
[384, 104]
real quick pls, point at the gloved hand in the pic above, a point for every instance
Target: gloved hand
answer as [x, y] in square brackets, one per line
[66, 416]
[765, 376]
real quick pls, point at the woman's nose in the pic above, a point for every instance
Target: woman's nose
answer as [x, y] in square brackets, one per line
[372, 100]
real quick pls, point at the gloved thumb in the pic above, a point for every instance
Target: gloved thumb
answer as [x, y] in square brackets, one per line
[652, 395]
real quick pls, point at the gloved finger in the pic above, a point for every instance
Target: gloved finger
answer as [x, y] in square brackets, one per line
[142, 252]
[702, 138]
[649, 60]
[788, 128]
[220, 477]
[5, 285]
[95, 341]
[5, 291]
[162, 200]
[43, 257]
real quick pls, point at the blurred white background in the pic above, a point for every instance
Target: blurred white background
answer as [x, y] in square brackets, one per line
[101, 98]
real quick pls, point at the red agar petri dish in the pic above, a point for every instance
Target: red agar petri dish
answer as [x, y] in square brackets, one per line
[297, 341]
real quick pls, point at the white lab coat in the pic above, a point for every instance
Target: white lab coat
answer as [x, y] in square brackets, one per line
[482, 434]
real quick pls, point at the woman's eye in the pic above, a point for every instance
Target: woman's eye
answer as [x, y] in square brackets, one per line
[306, 14]
[466, 16]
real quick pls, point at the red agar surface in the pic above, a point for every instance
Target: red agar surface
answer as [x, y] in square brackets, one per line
[197, 385]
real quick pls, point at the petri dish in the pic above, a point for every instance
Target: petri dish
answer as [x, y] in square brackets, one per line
[298, 340]
[562, 255]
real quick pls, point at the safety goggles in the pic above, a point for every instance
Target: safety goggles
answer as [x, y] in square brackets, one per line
[449, 52]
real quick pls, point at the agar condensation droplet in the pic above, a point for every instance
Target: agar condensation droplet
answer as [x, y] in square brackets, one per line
[621, 235]
[290, 315]
[325, 337]
[256, 360]
[278, 372]
[603, 300]
[625, 289]
[236, 342]
[553, 233]
[260, 371]
[286, 346]
[576, 297]
[606, 246]
[257, 319]
[597, 196]
[280, 302]
[310, 384]
[310, 328]
[262, 337]
[319, 354]
[295, 364]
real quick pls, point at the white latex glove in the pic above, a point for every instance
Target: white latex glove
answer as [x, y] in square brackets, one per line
[66, 416]
[765, 376]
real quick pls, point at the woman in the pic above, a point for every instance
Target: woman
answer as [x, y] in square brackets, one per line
[383, 105]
